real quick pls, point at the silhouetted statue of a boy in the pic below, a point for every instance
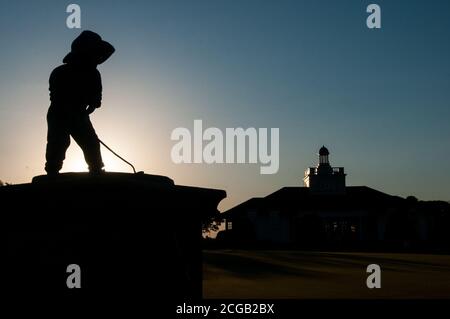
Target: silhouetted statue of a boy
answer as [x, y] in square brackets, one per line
[75, 92]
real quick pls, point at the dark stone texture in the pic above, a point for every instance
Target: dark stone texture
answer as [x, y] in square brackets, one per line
[131, 234]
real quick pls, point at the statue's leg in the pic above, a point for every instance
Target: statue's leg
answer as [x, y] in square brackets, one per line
[58, 140]
[84, 134]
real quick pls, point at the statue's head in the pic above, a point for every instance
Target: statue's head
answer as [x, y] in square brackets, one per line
[89, 48]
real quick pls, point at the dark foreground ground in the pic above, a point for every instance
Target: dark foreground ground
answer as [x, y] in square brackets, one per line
[323, 275]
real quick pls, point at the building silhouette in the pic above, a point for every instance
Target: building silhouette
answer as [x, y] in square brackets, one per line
[326, 213]
[324, 178]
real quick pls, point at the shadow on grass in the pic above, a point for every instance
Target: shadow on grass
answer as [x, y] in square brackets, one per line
[252, 267]
[391, 263]
[256, 264]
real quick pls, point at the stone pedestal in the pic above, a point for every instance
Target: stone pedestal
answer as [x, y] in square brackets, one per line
[131, 234]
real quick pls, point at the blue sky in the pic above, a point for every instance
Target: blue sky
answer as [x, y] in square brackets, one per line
[379, 99]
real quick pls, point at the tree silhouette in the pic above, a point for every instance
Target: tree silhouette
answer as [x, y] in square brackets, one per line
[211, 224]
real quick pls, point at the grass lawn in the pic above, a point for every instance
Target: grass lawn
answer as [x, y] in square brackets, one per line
[322, 275]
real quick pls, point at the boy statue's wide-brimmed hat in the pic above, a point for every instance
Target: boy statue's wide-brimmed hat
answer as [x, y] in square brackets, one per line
[89, 46]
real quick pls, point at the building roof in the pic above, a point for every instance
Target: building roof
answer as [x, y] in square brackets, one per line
[294, 199]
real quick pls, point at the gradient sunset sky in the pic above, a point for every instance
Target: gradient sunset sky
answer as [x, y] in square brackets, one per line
[378, 99]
